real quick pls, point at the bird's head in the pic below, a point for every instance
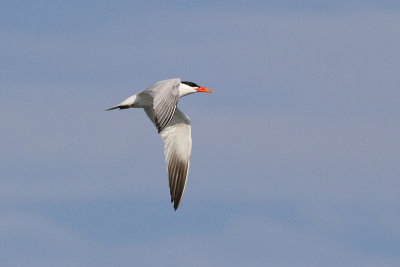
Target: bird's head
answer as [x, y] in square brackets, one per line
[190, 88]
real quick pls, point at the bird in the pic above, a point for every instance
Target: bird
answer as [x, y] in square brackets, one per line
[159, 102]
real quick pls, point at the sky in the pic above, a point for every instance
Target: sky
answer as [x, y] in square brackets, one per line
[295, 158]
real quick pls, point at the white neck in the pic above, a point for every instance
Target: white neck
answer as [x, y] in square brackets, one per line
[185, 89]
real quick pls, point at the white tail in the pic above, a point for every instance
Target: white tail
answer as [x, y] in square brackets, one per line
[127, 103]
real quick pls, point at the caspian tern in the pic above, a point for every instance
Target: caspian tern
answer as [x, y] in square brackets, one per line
[159, 102]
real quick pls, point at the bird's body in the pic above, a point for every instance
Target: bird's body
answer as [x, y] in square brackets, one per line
[159, 101]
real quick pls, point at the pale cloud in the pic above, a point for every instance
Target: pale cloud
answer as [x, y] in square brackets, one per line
[295, 157]
[35, 241]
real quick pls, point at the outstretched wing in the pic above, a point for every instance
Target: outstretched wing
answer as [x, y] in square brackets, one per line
[165, 97]
[177, 148]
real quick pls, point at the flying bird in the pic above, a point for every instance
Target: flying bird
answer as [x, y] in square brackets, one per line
[159, 102]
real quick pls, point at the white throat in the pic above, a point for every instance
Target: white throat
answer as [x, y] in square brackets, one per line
[185, 89]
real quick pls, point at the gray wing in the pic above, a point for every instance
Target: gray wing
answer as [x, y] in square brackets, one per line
[165, 97]
[177, 148]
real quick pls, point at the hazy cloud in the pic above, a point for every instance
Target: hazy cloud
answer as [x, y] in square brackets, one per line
[295, 157]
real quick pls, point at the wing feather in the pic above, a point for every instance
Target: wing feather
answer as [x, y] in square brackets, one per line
[177, 148]
[165, 97]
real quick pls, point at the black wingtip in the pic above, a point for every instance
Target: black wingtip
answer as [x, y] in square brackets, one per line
[176, 204]
[111, 108]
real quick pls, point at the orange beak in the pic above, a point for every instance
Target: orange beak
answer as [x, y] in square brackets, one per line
[204, 90]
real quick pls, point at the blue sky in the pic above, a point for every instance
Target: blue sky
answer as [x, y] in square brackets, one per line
[295, 157]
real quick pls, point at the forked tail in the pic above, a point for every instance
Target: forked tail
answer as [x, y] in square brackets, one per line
[127, 103]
